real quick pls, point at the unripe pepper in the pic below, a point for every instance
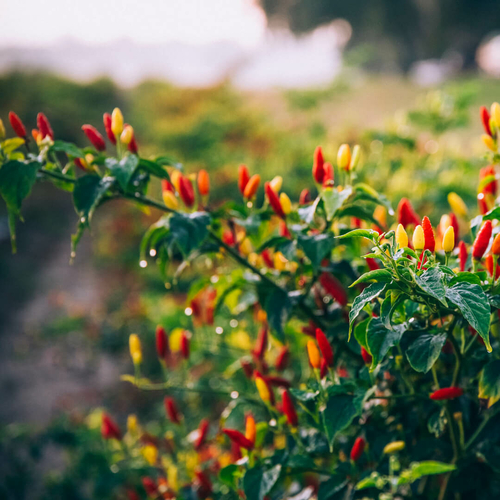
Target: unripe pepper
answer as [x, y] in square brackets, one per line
[328, 180]
[274, 201]
[489, 142]
[252, 187]
[203, 183]
[184, 345]
[457, 205]
[171, 410]
[117, 122]
[430, 242]
[357, 449]
[401, 237]
[263, 388]
[356, 155]
[324, 346]
[2, 130]
[106, 118]
[367, 357]
[276, 183]
[186, 191]
[135, 348]
[489, 263]
[243, 178]
[127, 134]
[449, 240]
[318, 166]
[238, 438]
[418, 239]
[132, 145]
[286, 204]
[250, 428]
[17, 125]
[394, 447]
[485, 119]
[44, 127]
[447, 393]
[491, 187]
[170, 200]
[109, 428]
[406, 214]
[334, 288]
[344, 157]
[289, 408]
[482, 241]
[314, 355]
[94, 137]
[162, 344]
[495, 247]
[495, 114]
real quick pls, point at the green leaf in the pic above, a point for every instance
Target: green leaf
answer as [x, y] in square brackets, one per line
[360, 332]
[473, 304]
[360, 233]
[306, 214]
[123, 170]
[88, 193]
[378, 275]
[230, 474]
[277, 305]
[489, 382]
[380, 339]
[329, 489]
[304, 396]
[257, 482]
[465, 277]
[154, 168]
[12, 144]
[68, 148]
[420, 469]
[188, 231]
[16, 181]
[371, 481]
[431, 282]
[357, 211]
[333, 200]
[366, 296]
[338, 414]
[424, 351]
[368, 193]
[316, 247]
[491, 215]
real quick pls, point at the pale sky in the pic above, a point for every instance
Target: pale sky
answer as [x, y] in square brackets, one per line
[43, 22]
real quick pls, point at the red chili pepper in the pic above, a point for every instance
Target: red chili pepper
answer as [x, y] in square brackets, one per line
[109, 428]
[167, 186]
[324, 346]
[482, 241]
[274, 200]
[243, 178]
[367, 357]
[356, 223]
[318, 170]
[334, 288]
[462, 255]
[205, 485]
[276, 381]
[357, 449]
[186, 191]
[310, 329]
[17, 125]
[132, 145]
[455, 226]
[323, 368]
[282, 359]
[406, 214]
[162, 344]
[94, 137]
[482, 204]
[261, 344]
[44, 127]
[79, 163]
[238, 438]
[235, 452]
[372, 264]
[485, 119]
[289, 408]
[132, 495]
[489, 266]
[149, 485]
[268, 261]
[491, 187]
[228, 238]
[430, 242]
[328, 178]
[171, 410]
[447, 393]
[247, 367]
[203, 182]
[106, 118]
[284, 232]
[305, 197]
[202, 434]
[184, 345]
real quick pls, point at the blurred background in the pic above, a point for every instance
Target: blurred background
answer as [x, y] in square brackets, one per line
[212, 83]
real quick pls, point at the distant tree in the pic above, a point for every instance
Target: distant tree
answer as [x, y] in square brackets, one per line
[400, 31]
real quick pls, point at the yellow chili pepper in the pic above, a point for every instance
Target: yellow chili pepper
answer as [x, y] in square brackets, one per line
[135, 348]
[418, 238]
[401, 237]
[170, 200]
[286, 204]
[344, 157]
[457, 205]
[117, 122]
[263, 389]
[449, 240]
[356, 155]
[127, 134]
[314, 355]
[276, 183]
[489, 142]
[394, 447]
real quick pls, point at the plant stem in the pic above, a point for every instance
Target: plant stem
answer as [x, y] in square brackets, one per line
[478, 431]
[57, 175]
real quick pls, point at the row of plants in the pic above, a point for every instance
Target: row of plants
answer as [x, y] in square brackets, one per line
[330, 347]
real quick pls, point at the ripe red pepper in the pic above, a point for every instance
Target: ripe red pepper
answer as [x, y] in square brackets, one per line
[184, 345]
[372, 264]
[132, 145]
[274, 200]
[167, 186]
[482, 204]
[462, 255]
[261, 344]
[482, 241]
[491, 187]
[44, 127]
[323, 369]
[328, 175]
[17, 125]
[247, 367]
[238, 438]
[406, 214]
[282, 359]
[276, 381]
[243, 178]
[430, 242]
[305, 197]
[367, 357]
[455, 226]
[171, 410]
[162, 344]
[489, 266]
[318, 169]
[186, 191]
[357, 449]
[79, 163]
[149, 485]
[334, 288]
[324, 347]
[268, 261]
[284, 232]
[109, 428]
[205, 485]
[94, 137]
[106, 118]
[485, 119]
[202, 434]
[289, 408]
[447, 393]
